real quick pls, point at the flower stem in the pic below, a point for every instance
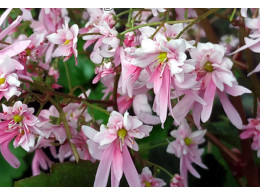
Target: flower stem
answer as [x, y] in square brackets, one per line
[197, 20]
[154, 24]
[67, 128]
[158, 166]
[115, 90]
[68, 75]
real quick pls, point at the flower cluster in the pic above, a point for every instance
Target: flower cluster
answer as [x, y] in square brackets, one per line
[148, 66]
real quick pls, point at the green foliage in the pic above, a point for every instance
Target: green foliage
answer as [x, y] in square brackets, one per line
[66, 174]
[225, 131]
[8, 173]
[82, 74]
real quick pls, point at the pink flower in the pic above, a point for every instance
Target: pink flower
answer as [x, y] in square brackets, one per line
[177, 181]
[67, 39]
[40, 160]
[107, 44]
[185, 147]
[9, 82]
[214, 73]
[19, 123]
[252, 129]
[230, 42]
[166, 62]
[253, 43]
[35, 49]
[11, 27]
[110, 147]
[80, 141]
[147, 179]
[103, 70]
[50, 20]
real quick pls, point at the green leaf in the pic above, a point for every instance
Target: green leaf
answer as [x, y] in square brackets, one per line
[8, 173]
[82, 74]
[225, 131]
[68, 174]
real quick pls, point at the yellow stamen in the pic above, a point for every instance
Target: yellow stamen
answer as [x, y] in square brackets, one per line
[148, 184]
[18, 118]
[162, 57]
[122, 133]
[66, 42]
[2, 81]
[208, 66]
[28, 52]
[188, 141]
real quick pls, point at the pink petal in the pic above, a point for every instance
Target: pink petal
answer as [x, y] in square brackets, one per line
[9, 29]
[4, 15]
[114, 181]
[129, 169]
[117, 165]
[229, 109]
[48, 53]
[236, 90]
[191, 169]
[257, 69]
[104, 167]
[15, 48]
[7, 154]
[55, 38]
[164, 95]
[61, 51]
[209, 98]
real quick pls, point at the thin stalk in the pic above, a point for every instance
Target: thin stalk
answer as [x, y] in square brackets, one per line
[66, 127]
[115, 91]
[45, 89]
[154, 24]
[88, 34]
[129, 20]
[197, 20]
[157, 30]
[158, 166]
[127, 11]
[68, 75]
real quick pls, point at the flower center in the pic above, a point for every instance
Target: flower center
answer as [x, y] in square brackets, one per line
[162, 57]
[2, 81]
[28, 52]
[147, 184]
[188, 141]
[208, 66]
[122, 133]
[18, 118]
[66, 42]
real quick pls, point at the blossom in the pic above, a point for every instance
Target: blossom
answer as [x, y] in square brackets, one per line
[229, 41]
[252, 130]
[107, 43]
[103, 70]
[147, 179]
[253, 41]
[164, 59]
[67, 39]
[177, 181]
[17, 122]
[8, 78]
[40, 160]
[80, 141]
[185, 147]
[110, 147]
[214, 73]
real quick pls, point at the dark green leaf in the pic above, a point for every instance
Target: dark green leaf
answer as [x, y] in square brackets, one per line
[67, 174]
